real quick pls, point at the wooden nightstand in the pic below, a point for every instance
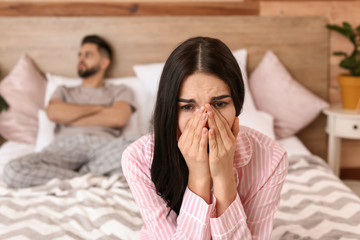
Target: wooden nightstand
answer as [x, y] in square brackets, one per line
[341, 123]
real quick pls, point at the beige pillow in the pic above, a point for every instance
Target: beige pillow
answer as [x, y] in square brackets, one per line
[24, 90]
[276, 92]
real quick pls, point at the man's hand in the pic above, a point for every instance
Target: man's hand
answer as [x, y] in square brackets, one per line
[116, 116]
[64, 113]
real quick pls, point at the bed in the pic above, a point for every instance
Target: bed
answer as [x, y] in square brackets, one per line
[315, 204]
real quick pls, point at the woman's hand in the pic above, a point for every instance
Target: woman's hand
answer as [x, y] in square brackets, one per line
[222, 145]
[193, 144]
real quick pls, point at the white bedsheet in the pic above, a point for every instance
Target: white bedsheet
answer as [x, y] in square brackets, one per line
[294, 146]
[10, 150]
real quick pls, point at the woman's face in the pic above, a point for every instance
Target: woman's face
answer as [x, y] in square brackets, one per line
[199, 89]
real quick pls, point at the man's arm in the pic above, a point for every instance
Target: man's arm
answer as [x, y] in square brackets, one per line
[115, 116]
[64, 113]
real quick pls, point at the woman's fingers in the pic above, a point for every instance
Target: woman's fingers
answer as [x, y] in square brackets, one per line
[184, 135]
[213, 145]
[193, 147]
[221, 127]
[222, 143]
[203, 146]
[192, 137]
[220, 118]
[198, 129]
[188, 133]
[215, 130]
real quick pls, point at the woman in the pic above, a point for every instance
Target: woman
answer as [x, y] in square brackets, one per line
[199, 175]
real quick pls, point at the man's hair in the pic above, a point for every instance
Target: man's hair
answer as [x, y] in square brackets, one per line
[103, 47]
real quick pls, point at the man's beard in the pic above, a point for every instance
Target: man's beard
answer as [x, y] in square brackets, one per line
[89, 72]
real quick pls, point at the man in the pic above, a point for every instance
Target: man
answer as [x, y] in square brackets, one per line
[89, 121]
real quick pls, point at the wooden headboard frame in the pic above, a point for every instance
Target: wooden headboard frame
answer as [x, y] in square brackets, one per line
[300, 42]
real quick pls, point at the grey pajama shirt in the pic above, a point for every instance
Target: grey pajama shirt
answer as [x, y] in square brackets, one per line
[76, 150]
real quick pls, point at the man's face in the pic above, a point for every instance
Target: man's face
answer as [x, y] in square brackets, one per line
[89, 60]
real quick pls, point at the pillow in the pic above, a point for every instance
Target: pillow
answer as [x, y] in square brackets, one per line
[260, 121]
[241, 57]
[45, 131]
[23, 89]
[250, 116]
[276, 92]
[131, 131]
[149, 75]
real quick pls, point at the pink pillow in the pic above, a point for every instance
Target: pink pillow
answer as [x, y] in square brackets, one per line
[276, 92]
[24, 90]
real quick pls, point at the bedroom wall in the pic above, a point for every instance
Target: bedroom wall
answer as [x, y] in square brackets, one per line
[335, 11]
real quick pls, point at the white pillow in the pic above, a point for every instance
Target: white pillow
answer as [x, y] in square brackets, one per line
[45, 131]
[258, 120]
[132, 131]
[241, 57]
[250, 116]
[149, 75]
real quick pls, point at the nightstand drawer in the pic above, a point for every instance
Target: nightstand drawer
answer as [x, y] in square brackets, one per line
[347, 127]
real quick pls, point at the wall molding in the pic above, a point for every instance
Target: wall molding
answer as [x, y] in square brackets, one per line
[110, 8]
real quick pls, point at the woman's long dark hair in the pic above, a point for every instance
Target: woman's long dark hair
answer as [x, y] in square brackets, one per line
[169, 171]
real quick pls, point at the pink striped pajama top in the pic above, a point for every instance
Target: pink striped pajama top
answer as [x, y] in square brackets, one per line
[260, 167]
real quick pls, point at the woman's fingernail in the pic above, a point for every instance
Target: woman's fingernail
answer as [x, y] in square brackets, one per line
[204, 131]
[211, 131]
[203, 116]
[202, 109]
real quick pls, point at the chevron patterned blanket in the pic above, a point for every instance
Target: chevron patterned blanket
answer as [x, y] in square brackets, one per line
[88, 207]
[314, 205]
